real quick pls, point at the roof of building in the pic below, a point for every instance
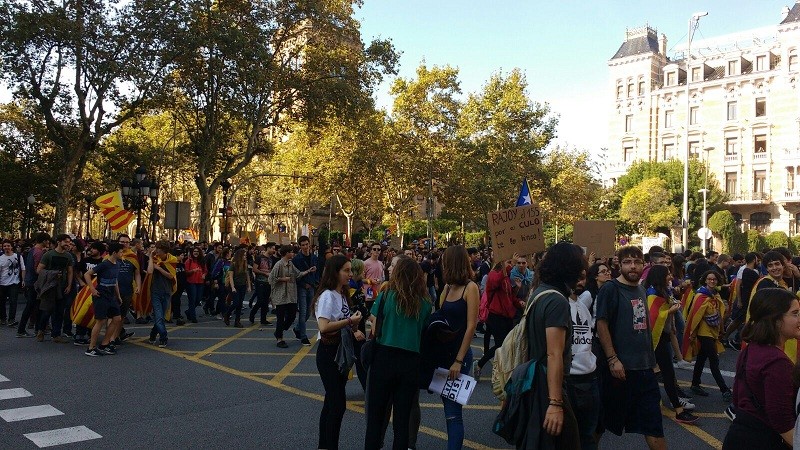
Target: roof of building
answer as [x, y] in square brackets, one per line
[794, 14]
[638, 41]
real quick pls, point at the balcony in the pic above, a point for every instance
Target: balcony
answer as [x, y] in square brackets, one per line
[749, 198]
[732, 159]
[620, 166]
[760, 157]
[792, 196]
[791, 155]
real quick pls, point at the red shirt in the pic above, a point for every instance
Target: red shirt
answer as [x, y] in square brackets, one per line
[499, 297]
[195, 277]
[769, 379]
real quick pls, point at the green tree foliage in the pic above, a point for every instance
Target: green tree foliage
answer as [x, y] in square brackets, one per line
[565, 187]
[755, 241]
[671, 172]
[724, 224]
[88, 66]
[777, 239]
[648, 205]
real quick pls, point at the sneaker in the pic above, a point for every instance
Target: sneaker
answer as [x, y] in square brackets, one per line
[283, 344]
[685, 404]
[162, 344]
[40, 336]
[24, 334]
[13, 324]
[266, 323]
[730, 413]
[61, 340]
[734, 345]
[80, 341]
[699, 391]
[219, 317]
[476, 371]
[69, 333]
[686, 417]
[682, 393]
[126, 335]
[685, 365]
[305, 342]
[727, 396]
[93, 352]
[152, 341]
[107, 350]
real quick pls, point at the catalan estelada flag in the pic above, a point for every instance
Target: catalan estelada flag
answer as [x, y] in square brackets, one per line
[696, 311]
[792, 346]
[113, 210]
[143, 303]
[658, 309]
[82, 310]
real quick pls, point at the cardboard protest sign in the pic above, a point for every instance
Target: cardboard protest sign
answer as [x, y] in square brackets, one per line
[596, 236]
[516, 230]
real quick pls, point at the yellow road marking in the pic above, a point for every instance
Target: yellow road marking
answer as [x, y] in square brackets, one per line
[695, 430]
[221, 343]
[294, 362]
[711, 415]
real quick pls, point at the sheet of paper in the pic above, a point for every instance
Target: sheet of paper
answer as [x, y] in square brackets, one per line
[458, 390]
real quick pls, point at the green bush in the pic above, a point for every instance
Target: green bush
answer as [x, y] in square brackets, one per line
[755, 241]
[475, 239]
[777, 239]
[794, 243]
[737, 243]
[723, 224]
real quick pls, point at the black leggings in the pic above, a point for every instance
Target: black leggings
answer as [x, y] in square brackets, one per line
[393, 379]
[498, 327]
[285, 318]
[330, 418]
[708, 350]
[664, 360]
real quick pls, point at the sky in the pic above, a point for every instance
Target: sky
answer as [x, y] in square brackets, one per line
[563, 47]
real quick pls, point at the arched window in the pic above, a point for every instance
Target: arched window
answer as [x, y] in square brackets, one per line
[760, 221]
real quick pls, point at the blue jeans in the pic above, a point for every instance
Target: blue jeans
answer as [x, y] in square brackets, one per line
[584, 396]
[160, 301]
[304, 298]
[453, 415]
[195, 292]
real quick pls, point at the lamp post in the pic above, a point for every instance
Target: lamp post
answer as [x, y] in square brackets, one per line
[154, 217]
[31, 201]
[89, 200]
[135, 194]
[226, 185]
[704, 191]
[694, 22]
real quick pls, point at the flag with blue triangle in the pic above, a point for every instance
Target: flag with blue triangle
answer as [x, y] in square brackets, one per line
[524, 194]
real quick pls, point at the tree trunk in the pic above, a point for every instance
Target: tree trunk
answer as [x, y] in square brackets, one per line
[206, 212]
[66, 182]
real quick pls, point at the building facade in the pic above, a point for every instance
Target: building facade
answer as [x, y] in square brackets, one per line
[740, 114]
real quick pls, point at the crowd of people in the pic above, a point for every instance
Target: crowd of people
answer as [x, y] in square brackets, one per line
[607, 330]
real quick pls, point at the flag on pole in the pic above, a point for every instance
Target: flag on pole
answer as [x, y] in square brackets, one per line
[113, 210]
[524, 194]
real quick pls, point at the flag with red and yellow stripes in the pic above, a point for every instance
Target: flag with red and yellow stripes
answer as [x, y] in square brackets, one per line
[82, 310]
[113, 210]
[658, 307]
[143, 303]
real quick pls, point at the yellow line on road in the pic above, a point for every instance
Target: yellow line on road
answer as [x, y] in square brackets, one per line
[221, 344]
[695, 430]
[294, 362]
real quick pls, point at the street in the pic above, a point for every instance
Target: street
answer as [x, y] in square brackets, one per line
[218, 387]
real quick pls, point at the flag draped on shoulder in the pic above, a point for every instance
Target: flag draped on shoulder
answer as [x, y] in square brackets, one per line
[114, 211]
[696, 311]
[658, 309]
[82, 309]
[144, 302]
[792, 346]
[524, 194]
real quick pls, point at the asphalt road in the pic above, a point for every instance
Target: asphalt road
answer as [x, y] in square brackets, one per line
[223, 387]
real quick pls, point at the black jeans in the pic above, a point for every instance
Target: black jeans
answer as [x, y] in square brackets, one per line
[31, 306]
[393, 377]
[498, 327]
[175, 301]
[330, 418]
[708, 350]
[57, 316]
[9, 294]
[262, 302]
[285, 318]
[664, 360]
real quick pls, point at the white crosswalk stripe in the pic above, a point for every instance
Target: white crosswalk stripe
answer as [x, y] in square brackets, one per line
[62, 436]
[29, 412]
[7, 394]
[2, 378]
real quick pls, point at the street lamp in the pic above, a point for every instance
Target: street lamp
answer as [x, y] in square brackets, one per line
[694, 22]
[89, 201]
[31, 201]
[226, 185]
[135, 195]
[154, 217]
[703, 235]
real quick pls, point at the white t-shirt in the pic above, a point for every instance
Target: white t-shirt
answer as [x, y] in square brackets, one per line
[583, 360]
[9, 269]
[331, 305]
[586, 299]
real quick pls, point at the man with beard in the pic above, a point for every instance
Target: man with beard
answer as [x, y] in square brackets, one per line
[631, 397]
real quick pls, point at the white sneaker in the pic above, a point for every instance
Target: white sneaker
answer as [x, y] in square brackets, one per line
[686, 404]
[685, 365]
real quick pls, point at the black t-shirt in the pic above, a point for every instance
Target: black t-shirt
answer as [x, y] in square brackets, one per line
[430, 270]
[624, 308]
[551, 310]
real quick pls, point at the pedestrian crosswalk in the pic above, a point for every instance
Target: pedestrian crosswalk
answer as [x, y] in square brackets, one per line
[41, 439]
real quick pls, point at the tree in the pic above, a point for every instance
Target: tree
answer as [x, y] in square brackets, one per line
[88, 66]
[648, 204]
[255, 68]
[566, 189]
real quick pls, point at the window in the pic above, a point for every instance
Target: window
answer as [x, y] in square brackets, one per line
[760, 221]
[790, 178]
[731, 187]
[761, 63]
[694, 149]
[731, 146]
[667, 119]
[697, 75]
[732, 68]
[669, 152]
[792, 63]
[627, 154]
[731, 110]
[693, 115]
[641, 87]
[760, 143]
[629, 123]
[759, 182]
[671, 79]
[619, 91]
[761, 107]
[630, 89]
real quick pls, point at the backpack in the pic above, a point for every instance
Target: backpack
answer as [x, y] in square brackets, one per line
[514, 350]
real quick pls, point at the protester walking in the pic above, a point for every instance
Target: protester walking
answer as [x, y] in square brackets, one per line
[238, 281]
